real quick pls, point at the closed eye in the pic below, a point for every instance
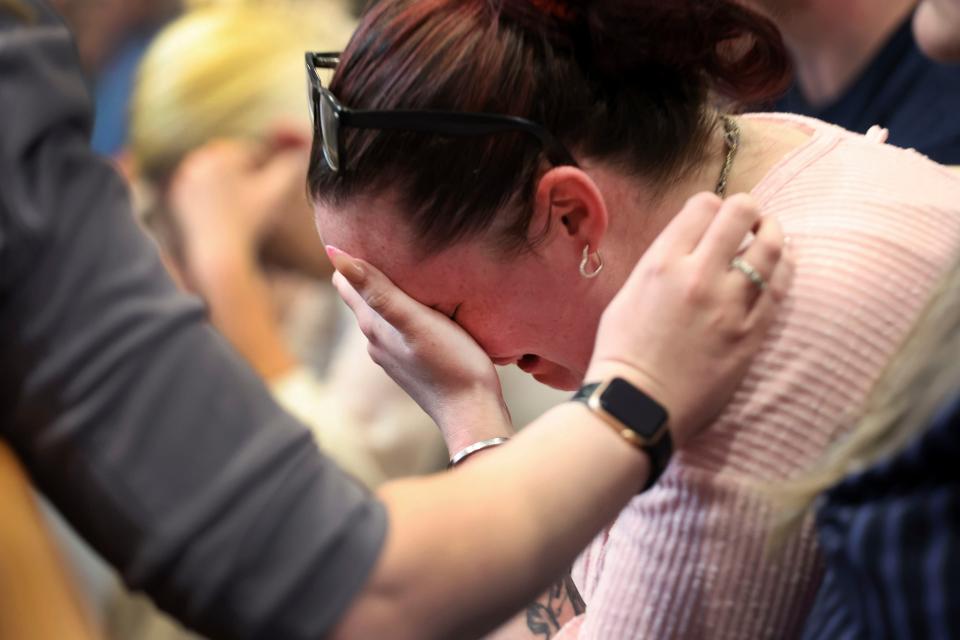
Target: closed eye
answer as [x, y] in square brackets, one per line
[452, 316]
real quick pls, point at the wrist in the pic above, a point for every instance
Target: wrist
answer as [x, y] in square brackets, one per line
[477, 448]
[475, 423]
[210, 265]
[606, 369]
[618, 449]
[634, 416]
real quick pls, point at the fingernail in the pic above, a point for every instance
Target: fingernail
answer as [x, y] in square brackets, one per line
[349, 267]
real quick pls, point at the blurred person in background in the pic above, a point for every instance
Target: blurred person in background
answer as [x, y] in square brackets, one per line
[858, 65]
[888, 518]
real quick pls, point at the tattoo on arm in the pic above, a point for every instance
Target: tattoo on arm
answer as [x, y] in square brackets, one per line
[559, 604]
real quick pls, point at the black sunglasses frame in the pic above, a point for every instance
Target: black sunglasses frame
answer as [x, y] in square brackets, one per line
[448, 123]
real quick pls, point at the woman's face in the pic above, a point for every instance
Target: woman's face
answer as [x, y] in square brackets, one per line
[533, 310]
[936, 24]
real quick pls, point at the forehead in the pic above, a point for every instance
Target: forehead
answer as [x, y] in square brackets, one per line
[373, 230]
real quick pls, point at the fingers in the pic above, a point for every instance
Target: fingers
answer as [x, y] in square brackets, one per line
[376, 291]
[737, 216]
[757, 264]
[685, 231]
[765, 251]
[778, 284]
[353, 299]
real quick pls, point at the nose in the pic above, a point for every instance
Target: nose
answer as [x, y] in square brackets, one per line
[503, 362]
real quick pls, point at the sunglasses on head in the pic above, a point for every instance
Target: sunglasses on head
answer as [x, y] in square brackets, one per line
[330, 117]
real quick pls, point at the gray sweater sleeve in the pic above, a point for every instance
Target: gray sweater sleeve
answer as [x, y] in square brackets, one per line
[162, 448]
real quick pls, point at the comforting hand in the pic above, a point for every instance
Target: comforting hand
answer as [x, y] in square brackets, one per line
[685, 325]
[430, 356]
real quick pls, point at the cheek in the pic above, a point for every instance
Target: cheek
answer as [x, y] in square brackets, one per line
[556, 330]
[500, 333]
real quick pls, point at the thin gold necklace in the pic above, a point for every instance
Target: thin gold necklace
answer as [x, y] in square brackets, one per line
[731, 140]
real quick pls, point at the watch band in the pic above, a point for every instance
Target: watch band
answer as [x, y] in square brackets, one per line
[659, 448]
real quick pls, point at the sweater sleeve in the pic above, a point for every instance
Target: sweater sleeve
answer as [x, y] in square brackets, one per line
[163, 449]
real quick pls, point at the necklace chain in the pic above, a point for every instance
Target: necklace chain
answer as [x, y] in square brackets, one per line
[731, 140]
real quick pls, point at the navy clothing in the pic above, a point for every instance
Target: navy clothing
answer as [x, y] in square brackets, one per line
[142, 426]
[114, 86]
[902, 90]
[891, 542]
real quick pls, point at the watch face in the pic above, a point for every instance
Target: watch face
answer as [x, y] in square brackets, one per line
[633, 408]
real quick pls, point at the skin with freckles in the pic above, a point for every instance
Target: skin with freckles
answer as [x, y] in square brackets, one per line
[535, 309]
[519, 311]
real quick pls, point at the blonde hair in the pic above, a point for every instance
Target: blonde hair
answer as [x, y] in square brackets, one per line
[920, 378]
[226, 69]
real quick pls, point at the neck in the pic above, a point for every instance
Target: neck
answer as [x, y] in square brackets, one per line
[832, 41]
[763, 144]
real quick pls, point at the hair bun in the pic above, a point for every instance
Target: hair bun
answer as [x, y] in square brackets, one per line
[736, 50]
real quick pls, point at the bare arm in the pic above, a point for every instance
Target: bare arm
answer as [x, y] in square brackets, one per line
[500, 528]
[547, 615]
[448, 539]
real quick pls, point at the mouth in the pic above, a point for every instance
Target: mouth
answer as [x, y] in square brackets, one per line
[531, 364]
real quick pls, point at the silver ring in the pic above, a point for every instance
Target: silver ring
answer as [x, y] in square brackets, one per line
[747, 269]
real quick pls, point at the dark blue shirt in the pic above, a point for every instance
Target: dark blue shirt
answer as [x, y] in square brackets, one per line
[915, 98]
[891, 542]
[114, 86]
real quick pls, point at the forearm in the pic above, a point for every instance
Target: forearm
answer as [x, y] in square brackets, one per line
[567, 462]
[546, 616]
[240, 306]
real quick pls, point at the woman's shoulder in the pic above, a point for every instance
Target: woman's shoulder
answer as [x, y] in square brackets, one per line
[854, 169]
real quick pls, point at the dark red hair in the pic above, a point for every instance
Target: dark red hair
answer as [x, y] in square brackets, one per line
[625, 81]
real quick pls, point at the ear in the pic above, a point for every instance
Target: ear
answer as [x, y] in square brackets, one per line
[569, 205]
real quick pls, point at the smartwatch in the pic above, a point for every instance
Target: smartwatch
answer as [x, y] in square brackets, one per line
[638, 418]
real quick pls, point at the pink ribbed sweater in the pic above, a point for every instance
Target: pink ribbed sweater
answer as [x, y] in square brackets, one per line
[872, 228]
